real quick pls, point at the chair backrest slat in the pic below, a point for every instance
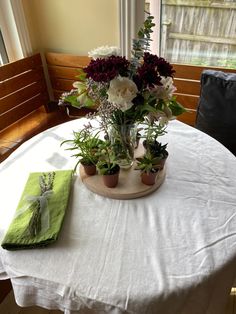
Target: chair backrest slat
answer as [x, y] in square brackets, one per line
[21, 96]
[20, 81]
[63, 69]
[15, 68]
[22, 89]
[20, 111]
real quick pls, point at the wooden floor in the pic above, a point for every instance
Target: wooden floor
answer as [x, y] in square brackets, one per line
[231, 306]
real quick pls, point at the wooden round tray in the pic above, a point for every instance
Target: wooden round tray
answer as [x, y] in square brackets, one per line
[129, 185]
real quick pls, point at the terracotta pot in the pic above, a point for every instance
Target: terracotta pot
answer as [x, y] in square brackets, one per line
[90, 170]
[111, 180]
[149, 178]
[162, 162]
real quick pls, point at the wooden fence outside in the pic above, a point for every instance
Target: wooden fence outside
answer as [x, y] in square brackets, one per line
[199, 32]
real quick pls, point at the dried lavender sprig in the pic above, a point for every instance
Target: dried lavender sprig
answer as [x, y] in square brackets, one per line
[97, 90]
[35, 221]
[46, 184]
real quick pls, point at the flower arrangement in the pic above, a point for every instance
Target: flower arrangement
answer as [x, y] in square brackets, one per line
[127, 92]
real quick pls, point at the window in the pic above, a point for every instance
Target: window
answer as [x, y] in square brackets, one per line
[199, 32]
[14, 31]
[3, 53]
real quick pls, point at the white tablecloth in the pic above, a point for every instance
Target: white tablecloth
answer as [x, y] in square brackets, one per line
[171, 252]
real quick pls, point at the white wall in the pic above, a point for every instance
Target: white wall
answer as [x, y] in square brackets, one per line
[72, 26]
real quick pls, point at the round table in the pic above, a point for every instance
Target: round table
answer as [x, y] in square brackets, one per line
[170, 252]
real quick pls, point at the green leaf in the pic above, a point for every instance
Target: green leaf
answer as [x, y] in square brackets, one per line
[85, 101]
[82, 75]
[176, 108]
[148, 108]
[72, 99]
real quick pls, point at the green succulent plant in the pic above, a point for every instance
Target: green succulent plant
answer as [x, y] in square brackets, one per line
[157, 149]
[106, 164]
[148, 163]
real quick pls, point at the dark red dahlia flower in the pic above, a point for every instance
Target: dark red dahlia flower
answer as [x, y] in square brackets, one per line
[104, 70]
[163, 67]
[147, 76]
[148, 58]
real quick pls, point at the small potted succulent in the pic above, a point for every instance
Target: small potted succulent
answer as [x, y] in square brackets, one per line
[151, 132]
[85, 145]
[107, 165]
[149, 166]
[158, 150]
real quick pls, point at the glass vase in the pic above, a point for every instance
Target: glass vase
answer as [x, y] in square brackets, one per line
[123, 140]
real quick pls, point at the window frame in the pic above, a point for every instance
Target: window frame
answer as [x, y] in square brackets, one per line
[14, 29]
[3, 53]
[131, 17]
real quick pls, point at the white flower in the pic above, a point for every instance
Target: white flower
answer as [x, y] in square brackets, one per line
[165, 91]
[82, 98]
[121, 92]
[79, 85]
[104, 52]
[81, 89]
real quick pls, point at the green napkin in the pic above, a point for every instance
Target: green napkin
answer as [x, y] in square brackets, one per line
[18, 236]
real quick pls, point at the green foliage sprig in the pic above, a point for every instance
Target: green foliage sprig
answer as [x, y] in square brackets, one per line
[153, 130]
[142, 43]
[85, 144]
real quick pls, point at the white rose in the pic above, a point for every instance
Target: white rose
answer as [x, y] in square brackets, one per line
[121, 92]
[165, 91]
[104, 52]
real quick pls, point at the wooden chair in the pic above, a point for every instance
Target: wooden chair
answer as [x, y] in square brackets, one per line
[63, 69]
[24, 103]
[23, 89]
[187, 80]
